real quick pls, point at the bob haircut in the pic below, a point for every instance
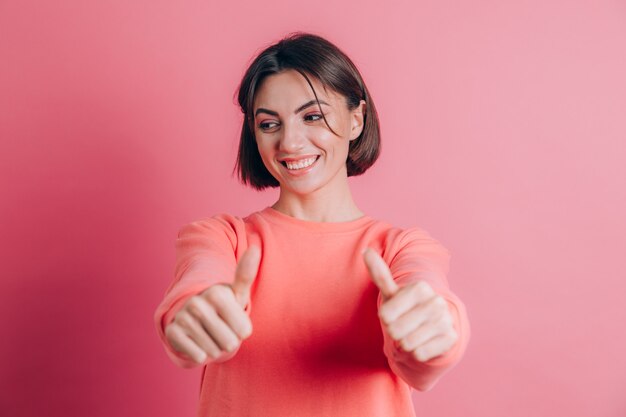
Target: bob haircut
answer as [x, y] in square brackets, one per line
[310, 55]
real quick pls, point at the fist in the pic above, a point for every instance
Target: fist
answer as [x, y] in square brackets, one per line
[214, 322]
[414, 316]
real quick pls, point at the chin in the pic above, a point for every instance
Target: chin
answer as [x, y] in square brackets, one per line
[300, 189]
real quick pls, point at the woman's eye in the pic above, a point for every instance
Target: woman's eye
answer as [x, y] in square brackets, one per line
[315, 117]
[267, 125]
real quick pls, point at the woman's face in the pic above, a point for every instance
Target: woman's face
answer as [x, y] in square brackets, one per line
[295, 144]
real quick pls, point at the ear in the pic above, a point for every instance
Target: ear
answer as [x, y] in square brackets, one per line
[356, 118]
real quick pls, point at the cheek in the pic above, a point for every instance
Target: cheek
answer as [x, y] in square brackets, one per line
[267, 154]
[326, 139]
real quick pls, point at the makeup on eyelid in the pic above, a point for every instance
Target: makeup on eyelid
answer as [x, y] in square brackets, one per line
[317, 116]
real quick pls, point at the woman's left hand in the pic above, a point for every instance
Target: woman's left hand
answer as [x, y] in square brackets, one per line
[414, 316]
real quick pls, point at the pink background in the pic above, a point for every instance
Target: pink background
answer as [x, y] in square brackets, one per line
[504, 129]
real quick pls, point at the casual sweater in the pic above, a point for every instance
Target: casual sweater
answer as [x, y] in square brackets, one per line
[317, 347]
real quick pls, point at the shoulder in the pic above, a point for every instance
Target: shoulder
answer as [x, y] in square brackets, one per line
[220, 230]
[224, 222]
[217, 224]
[399, 236]
[413, 241]
[410, 236]
[223, 227]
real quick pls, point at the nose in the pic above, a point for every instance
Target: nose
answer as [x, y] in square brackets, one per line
[292, 138]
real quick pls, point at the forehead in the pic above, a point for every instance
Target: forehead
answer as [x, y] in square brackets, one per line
[288, 89]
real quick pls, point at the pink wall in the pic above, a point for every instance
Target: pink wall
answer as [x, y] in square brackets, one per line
[504, 128]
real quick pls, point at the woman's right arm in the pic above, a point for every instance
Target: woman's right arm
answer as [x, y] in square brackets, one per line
[204, 271]
[212, 325]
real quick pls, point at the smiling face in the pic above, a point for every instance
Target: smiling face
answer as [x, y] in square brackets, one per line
[294, 142]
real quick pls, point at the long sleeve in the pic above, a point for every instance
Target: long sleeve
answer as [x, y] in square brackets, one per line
[205, 255]
[315, 346]
[414, 255]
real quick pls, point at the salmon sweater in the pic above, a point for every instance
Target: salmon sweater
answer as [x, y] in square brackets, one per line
[317, 347]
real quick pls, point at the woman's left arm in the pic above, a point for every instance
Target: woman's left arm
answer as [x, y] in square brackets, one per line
[425, 325]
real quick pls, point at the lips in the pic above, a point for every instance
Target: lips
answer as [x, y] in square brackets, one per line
[297, 158]
[298, 162]
[301, 165]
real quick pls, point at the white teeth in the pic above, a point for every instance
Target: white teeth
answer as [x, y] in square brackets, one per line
[301, 164]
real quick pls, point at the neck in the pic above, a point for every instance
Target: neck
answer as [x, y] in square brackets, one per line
[322, 205]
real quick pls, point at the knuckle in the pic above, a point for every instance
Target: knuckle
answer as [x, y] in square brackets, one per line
[404, 345]
[440, 302]
[186, 320]
[212, 294]
[195, 306]
[196, 302]
[424, 287]
[171, 331]
[179, 314]
[218, 295]
[232, 345]
[211, 350]
[244, 330]
[417, 354]
[214, 353]
[181, 317]
[446, 321]
[200, 358]
[415, 288]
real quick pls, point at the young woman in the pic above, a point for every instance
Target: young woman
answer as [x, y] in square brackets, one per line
[309, 307]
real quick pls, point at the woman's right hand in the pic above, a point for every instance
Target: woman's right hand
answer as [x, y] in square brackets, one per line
[214, 322]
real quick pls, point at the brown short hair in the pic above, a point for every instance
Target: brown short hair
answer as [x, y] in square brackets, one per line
[310, 55]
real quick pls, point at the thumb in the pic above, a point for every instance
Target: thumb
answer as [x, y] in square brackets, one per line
[380, 273]
[245, 274]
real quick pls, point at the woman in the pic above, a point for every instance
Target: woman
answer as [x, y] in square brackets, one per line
[309, 307]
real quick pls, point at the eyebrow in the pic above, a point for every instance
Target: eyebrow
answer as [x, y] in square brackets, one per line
[296, 111]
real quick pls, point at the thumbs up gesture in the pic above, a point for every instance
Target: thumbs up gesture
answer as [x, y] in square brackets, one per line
[414, 316]
[214, 321]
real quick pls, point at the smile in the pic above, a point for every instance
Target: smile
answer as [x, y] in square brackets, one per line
[301, 164]
[304, 163]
